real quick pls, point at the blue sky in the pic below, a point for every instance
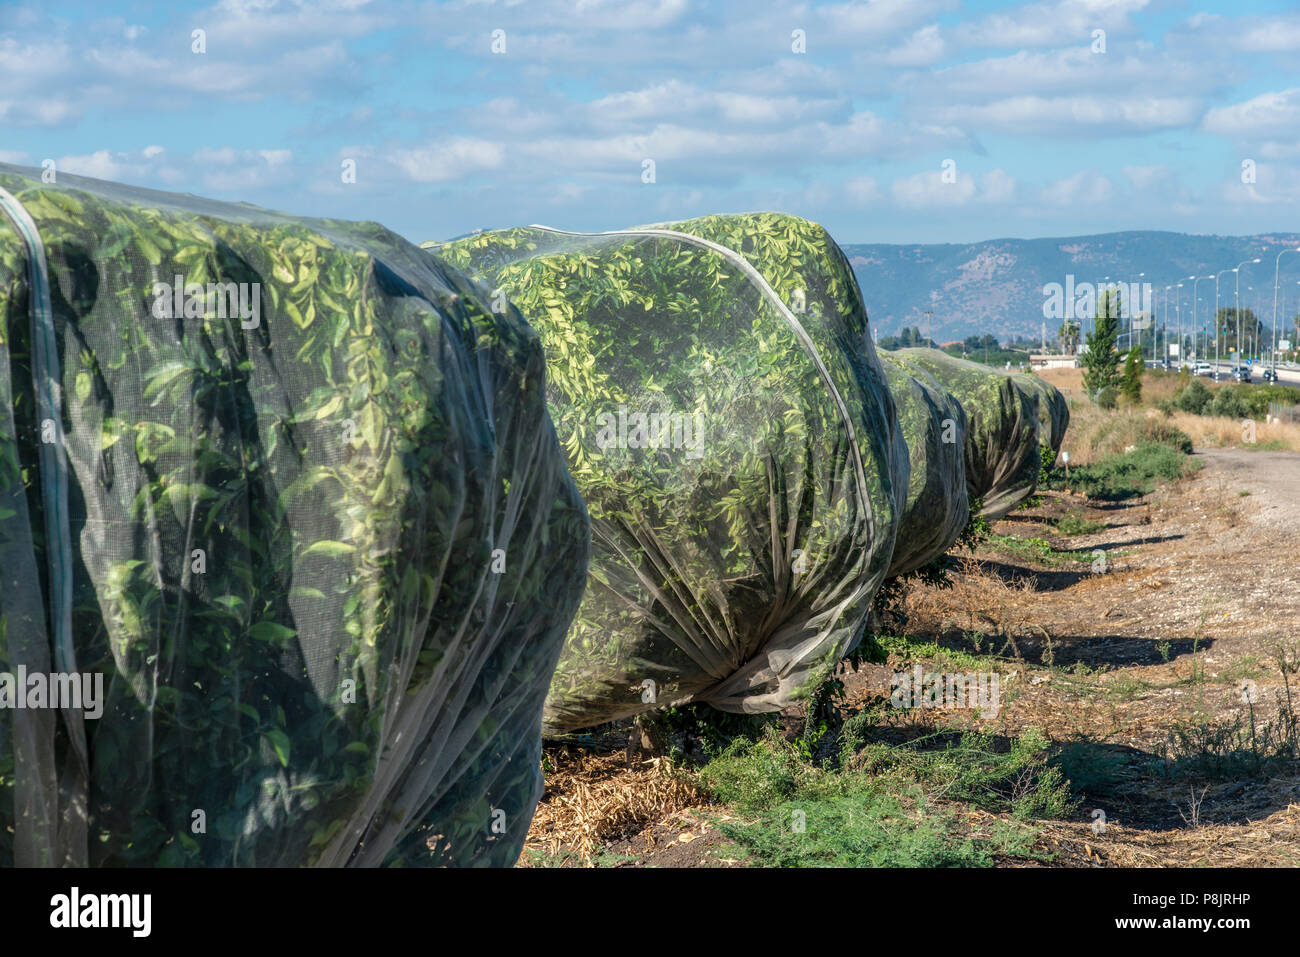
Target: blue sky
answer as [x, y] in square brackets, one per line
[1047, 134]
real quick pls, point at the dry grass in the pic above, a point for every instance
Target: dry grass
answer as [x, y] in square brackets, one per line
[1219, 431]
[1158, 385]
[1069, 381]
[592, 799]
[990, 610]
[1095, 433]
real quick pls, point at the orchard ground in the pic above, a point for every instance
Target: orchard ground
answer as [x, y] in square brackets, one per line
[1154, 641]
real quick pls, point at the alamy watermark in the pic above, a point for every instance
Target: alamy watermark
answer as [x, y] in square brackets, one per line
[921, 689]
[216, 300]
[1073, 300]
[75, 910]
[81, 691]
[651, 430]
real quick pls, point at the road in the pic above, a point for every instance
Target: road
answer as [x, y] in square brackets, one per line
[1285, 376]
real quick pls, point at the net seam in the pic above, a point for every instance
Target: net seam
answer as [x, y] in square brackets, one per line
[53, 461]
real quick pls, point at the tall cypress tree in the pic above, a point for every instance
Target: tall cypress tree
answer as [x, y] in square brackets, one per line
[1101, 361]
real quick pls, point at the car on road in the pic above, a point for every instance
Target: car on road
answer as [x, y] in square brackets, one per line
[1203, 368]
[1270, 375]
[1242, 374]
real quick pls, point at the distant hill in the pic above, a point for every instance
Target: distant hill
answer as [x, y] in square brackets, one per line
[997, 286]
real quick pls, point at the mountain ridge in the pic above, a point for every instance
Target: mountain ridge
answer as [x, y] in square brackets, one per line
[998, 285]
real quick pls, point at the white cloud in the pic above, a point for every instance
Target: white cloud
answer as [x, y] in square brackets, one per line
[999, 186]
[1051, 24]
[1086, 188]
[207, 169]
[1267, 115]
[1073, 71]
[879, 17]
[1148, 177]
[101, 164]
[928, 189]
[449, 160]
[276, 157]
[1261, 35]
[222, 156]
[679, 102]
[1077, 115]
[862, 190]
[922, 48]
[1272, 38]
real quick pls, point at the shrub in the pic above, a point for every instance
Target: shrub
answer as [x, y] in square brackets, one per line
[888, 805]
[1167, 434]
[1131, 384]
[1231, 403]
[1130, 474]
[1193, 397]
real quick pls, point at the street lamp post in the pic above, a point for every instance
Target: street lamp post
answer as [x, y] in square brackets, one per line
[1247, 352]
[1178, 311]
[1296, 341]
[1277, 264]
[1106, 280]
[1155, 331]
[1180, 322]
[1132, 311]
[1238, 272]
[1197, 279]
[1217, 345]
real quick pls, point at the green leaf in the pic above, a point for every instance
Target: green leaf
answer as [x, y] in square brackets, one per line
[271, 631]
[279, 741]
[333, 549]
[163, 376]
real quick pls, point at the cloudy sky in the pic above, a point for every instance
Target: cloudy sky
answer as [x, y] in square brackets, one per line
[886, 120]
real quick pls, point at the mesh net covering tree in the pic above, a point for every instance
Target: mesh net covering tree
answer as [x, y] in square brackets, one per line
[728, 423]
[934, 425]
[1053, 412]
[324, 558]
[1002, 458]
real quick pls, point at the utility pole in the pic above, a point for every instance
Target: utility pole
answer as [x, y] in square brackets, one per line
[1276, 266]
